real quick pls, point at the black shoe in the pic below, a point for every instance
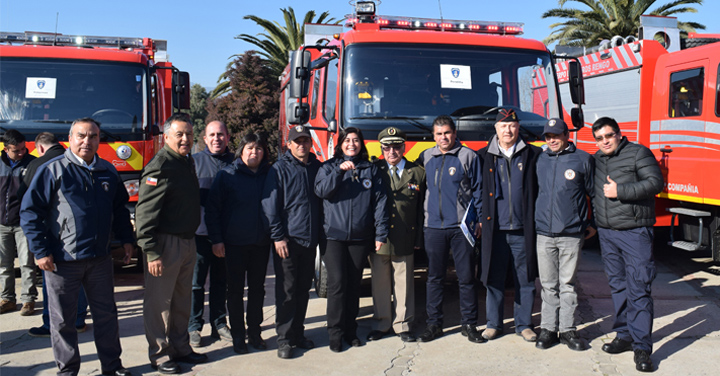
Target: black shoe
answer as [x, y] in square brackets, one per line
[118, 372]
[336, 345]
[257, 342]
[167, 368]
[617, 346]
[547, 339]
[407, 337]
[376, 335]
[643, 363]
[192, 358]
[284, 350]
[470, 331]
[431, 332]
[304, 344]
[573, 342]
[353, 341]
[240, 347]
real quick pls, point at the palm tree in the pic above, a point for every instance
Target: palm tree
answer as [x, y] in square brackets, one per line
[607, 18]
[276, 41]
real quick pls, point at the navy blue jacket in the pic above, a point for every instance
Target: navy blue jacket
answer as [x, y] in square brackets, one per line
[453, 179]
[354, 201]
[207, 166]
[69, 210]
[292, 208]
[10, 182]
[524, 161]
[565, 180]
[233, 210]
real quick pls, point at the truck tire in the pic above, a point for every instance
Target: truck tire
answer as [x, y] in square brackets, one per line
[320, 279]
[697, 42]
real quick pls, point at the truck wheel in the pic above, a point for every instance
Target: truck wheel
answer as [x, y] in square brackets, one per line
[320, 278]
[697, 42]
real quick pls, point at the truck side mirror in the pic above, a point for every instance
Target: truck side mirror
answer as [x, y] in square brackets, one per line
[297, 112]
[181, 90]
[299, 74]
[577, 117]
[577, 87]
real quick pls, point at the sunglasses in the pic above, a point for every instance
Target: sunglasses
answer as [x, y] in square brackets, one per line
[393, 147]
[606, 137]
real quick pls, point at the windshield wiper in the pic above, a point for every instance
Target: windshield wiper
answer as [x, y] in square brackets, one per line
[56, 121]
[410, 120]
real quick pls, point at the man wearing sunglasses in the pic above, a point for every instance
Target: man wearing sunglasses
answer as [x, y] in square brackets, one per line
[627, 178]
[393, 265]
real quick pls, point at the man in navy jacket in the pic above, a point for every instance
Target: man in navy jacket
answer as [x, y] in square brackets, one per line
[71, 206]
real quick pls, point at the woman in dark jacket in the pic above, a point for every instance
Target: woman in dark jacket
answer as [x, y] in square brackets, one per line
[235, 226]
[356, 223]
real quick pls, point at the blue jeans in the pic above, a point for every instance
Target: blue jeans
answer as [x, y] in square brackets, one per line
[630, 268]
[509, 247]
[438, 243]
[81, 307]
[207, 262]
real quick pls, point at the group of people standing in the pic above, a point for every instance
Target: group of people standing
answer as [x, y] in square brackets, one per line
[224, 214]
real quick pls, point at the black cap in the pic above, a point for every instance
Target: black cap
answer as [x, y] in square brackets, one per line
[555, 126]
[506, 114]
[297, 132]
[391, 135]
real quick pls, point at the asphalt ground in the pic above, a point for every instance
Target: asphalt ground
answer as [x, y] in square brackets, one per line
[686, 334]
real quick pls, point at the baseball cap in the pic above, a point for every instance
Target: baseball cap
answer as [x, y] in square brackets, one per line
[297, 132]
[555, 126]
[391, 135]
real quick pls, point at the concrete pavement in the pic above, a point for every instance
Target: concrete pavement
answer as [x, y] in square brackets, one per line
[686, 335]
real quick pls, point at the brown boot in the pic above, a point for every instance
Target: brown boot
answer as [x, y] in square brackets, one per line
[27, 309]
[7, 306]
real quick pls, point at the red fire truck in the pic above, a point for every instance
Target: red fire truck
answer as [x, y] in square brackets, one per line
[665, 97]
[403, 72]
[47, 80]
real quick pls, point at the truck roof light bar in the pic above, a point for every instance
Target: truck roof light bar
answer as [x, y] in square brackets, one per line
[50, 39]
[409, 23]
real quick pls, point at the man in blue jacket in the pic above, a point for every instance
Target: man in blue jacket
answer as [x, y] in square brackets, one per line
[453, 181]
[565, 181]
[207, 164]
[294, 213]
[13, 162]
[71, 206]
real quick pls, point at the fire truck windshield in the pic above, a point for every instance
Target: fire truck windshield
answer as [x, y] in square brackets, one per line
[39, 95]
[409, 85]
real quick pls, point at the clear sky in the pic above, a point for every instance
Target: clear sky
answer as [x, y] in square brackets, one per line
[200, 34]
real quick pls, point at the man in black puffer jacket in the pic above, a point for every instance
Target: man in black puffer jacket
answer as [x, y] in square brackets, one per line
[627, 178]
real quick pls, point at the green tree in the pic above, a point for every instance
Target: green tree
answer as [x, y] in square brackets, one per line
[606, 18]
[276, 41]
[198, 111]
[252, 102]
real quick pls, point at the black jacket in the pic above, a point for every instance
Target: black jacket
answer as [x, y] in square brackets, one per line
[354, 201]
[291, 207]
[233, 211]
[52, 152]
[207, 166]
[565, 180]
[637, 174]
[527, 156]
[10, 178]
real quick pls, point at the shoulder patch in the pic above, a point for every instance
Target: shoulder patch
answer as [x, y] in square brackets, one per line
[151, 181]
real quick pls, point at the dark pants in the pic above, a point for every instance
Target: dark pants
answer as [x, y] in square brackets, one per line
[81, 307]
[242, 261]
[96, 276]
[630, 268]
[293, 279]
[344, 262]
[438, 243]
[509, 247]
[208, 262]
